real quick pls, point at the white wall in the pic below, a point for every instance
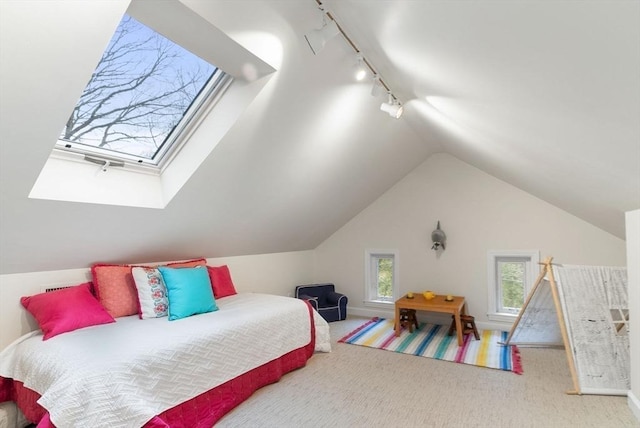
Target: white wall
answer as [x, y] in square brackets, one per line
[478, 213]
[633, 271]
[267, 273]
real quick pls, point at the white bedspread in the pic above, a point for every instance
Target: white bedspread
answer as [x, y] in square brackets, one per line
[124, 373]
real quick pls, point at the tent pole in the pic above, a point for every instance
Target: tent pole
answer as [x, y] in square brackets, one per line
[563, 328]
[526, 303]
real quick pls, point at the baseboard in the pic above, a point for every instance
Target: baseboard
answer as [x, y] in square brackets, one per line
[634, 404]
[432, 318]
[370, 312]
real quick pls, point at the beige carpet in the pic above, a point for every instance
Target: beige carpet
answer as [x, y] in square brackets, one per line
[354, 386]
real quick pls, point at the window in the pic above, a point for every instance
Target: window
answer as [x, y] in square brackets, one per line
[381, 276]
[141, 98]
[620, 320]
[216, 102]
[511, 276]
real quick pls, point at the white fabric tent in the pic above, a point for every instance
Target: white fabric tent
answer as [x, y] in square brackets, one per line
[586, 310]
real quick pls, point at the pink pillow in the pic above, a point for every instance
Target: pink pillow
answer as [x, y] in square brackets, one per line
[221, 281]
[66, 310]
[116, 289]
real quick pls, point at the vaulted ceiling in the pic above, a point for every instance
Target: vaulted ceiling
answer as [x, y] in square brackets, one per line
[544, 95]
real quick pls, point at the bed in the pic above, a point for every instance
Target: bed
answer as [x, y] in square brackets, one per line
[155, 373]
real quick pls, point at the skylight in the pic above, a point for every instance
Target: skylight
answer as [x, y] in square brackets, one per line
[142, 97]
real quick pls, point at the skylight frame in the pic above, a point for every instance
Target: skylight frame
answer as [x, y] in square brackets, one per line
[176, 138]
[200, 106]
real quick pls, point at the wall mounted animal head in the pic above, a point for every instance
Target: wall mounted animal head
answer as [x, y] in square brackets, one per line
[439, 238]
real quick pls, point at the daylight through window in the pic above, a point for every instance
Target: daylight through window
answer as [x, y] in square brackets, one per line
[381, 276]
[511, 284]
[511, 276]
[141, 97]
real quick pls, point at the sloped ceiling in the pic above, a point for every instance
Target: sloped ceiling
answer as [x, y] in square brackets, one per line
[545, 95]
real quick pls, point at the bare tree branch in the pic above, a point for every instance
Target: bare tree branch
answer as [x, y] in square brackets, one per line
[138, 92]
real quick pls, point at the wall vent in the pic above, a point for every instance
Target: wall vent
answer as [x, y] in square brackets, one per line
[49, 289]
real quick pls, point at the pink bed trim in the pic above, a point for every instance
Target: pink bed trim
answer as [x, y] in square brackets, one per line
[201, 411]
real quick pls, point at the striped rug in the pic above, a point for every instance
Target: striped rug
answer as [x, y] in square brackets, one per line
[432, 341]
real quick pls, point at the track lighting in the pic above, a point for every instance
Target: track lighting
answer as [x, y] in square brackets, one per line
[318, 38]
[392, 107]
[330, 28]
[361, 70]
[377, 89]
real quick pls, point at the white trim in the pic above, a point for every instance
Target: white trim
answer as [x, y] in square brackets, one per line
[72, 155]
[503, 318]
[173, 143]
[378, 304]
[634, 404]
[492, 294]
[369, 254]
[210, 99]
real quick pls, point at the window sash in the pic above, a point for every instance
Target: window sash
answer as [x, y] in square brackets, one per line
[499, 307]
[377, 279]
[373, 283]
[175, 138]
[502, 287]
[216, 86]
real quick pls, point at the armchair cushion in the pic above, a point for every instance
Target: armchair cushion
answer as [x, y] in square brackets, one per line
[323, 297]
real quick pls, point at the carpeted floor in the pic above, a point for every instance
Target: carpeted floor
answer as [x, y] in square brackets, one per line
[354, 386]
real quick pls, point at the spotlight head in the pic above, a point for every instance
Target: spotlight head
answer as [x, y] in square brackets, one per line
[361, 70]
[394, 110]
[377, 89]
[318, 38]
[392, 107]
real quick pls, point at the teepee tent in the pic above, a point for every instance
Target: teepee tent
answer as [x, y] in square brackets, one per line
[586, 311]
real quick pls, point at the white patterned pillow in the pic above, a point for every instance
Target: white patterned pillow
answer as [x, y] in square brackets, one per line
[152, 292]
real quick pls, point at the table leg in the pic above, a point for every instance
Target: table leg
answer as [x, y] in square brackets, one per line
[396, 324]
[458, 327]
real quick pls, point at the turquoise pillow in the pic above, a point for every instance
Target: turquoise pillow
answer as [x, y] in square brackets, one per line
[189, 291]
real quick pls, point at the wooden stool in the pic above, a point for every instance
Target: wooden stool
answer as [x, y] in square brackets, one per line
[468, 325]
[408, 319]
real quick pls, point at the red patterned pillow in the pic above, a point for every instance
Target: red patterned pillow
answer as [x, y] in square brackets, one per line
[221, 281]
[116, 289]
[66, 310]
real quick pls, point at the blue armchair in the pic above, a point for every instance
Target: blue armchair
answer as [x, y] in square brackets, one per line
[324, 299]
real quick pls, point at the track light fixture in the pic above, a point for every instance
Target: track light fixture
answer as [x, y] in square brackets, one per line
[392, 107]
[318, 38]
[377, 89]
[361, 70]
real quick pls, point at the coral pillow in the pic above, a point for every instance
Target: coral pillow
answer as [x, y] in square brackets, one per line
[221, 281]
[152, 293]
[116, 288]
[66, 310]
[189, 291]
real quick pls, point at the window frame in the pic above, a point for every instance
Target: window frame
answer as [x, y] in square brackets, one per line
[198, 109]
[531, 258]
[370, 282]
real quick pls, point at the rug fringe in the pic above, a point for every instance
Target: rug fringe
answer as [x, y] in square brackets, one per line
[348, 335]
[517, 361]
